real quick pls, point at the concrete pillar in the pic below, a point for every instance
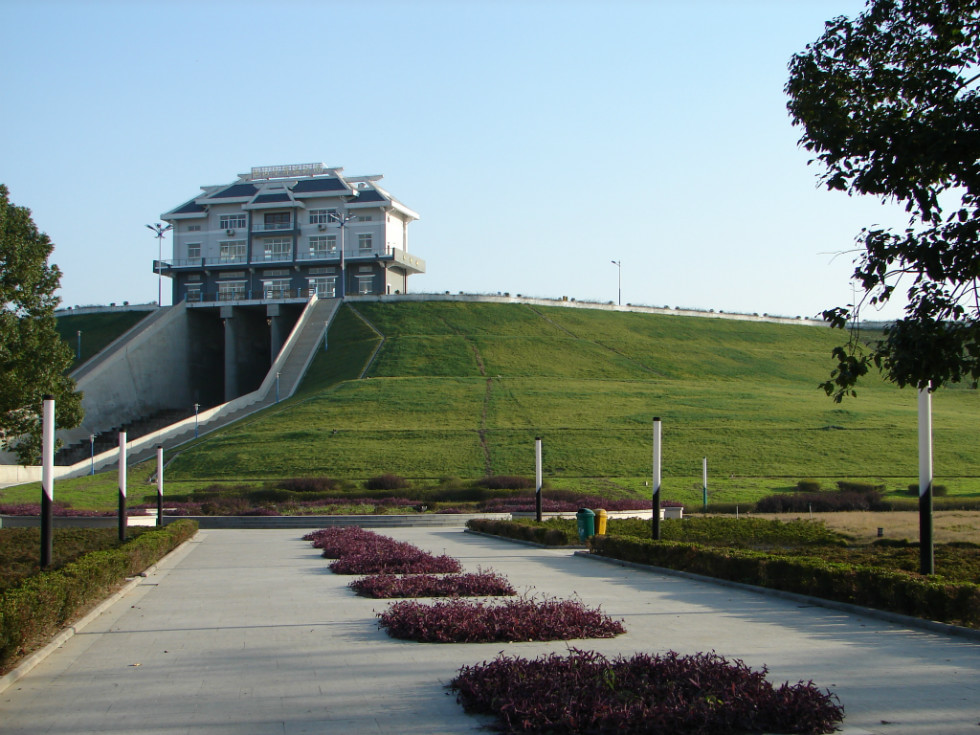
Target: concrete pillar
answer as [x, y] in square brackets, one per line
[274, 318]
[231, 352]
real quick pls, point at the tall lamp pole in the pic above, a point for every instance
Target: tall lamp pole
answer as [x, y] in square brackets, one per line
[342, 219]
[160, 231]
[619, 264]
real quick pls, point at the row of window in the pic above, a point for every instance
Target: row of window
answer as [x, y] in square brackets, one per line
[279, 220]
[323, 286]
[280, 248]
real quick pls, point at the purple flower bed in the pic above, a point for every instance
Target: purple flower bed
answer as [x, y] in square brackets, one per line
[465, 621]
[57, 509]
[425, 585]
[668, 694]
[364, 552]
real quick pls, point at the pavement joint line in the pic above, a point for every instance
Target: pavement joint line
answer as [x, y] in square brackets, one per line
[25, 666]
[869, 612]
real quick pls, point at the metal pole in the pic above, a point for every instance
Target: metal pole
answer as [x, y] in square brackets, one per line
[197, 407]
[537, 478]
[159, 484]
[91, 441]
[619, 264]
[160, 231]
[78, 351]
[704, 483]
[655, 526]
[122, 485]
[47, 481]
[277, 387]
[926, 559]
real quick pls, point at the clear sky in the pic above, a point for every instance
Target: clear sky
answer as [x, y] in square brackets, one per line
[538, 140]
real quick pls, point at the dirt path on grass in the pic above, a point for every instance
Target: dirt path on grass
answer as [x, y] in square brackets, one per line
[948, 525]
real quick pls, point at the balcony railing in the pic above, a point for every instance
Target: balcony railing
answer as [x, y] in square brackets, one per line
[272, 227]
[197, 297]
[399, 256]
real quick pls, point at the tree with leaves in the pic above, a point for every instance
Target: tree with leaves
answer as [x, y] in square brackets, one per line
[34, 360]
[890, 105]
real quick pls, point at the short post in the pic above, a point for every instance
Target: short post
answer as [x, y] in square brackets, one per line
[277, 386]
[926, 559]
[122, 485]
[159, 484]
[537, 478]
[47, 481]
[91, 441]
[655, 525]
[704, 483]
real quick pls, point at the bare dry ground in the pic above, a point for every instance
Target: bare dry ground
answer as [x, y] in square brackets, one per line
[948, 525]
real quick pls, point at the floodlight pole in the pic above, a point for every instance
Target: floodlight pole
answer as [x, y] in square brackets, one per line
[122, 485]
[537, 479]
[159, 484]
[342, 219]
[47, 481]
[926, 559]
[160, 231]
[619, 264]
[655, 524]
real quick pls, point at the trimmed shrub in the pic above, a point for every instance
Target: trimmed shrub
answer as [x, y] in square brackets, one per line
[819, 502]
[524, 619]
[505, 482]
[554, 532]
[938, 491]
[808, 486]
[897, 591]
[310, 484]
[387, 482]
[846, 486]
[48, 600]
[668, 694]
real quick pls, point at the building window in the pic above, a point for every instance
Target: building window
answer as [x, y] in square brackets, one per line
[231, 221]
[277, 221]
[276, 288]
[231, 251]
[365, 284]
[231, 291]
[193, 293]
[322, 216]
[323, 245]
[365, 218]
[193, 228]
[364, 243]
[325, 286]
[193, 250]
[278, 248]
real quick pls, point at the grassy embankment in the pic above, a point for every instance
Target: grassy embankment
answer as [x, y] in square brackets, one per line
[98, 330]
[461, 389]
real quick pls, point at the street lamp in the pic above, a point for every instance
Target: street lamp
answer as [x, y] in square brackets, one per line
[619, 264]
[197, 407]
[160, 231]
[91, 441]
[342, 219]
[277, 386]
[78, 352]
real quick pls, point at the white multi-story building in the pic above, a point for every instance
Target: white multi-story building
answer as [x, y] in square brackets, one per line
[284, 232]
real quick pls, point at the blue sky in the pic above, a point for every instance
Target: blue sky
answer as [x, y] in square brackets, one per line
[538, 140]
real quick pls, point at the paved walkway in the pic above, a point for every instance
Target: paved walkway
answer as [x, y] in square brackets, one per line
[246, 631]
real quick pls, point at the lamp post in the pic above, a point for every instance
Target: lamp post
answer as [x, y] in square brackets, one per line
[619, 264]
[91, 441]
[78, 351]
[342, 219]
[197, 408]
[277, 386]
[160, 231]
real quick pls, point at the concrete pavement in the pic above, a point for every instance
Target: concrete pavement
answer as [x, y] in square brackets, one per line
[246, 631]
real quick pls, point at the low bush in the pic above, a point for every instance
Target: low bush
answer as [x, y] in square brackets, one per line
[481, 584]
[524, 619]
[310, 484]
[820, 502]
[553, 532]
[387, 482]
[848, 486]
[505, 482]
[808, 486]
[884, 589]
[668, 694]
[46, 601]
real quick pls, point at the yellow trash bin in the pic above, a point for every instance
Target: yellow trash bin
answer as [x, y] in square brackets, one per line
[600, 522]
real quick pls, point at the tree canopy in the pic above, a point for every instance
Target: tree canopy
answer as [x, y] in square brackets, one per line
[889, 104]
[33, 358]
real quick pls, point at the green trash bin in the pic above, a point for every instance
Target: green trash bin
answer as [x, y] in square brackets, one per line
[586, 524]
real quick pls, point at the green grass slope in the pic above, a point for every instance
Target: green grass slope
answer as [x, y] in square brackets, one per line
[98, 330]
[461, 389]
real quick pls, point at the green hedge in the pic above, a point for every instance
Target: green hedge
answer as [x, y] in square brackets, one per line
[548, 533]
[45, 602]
[900, 592]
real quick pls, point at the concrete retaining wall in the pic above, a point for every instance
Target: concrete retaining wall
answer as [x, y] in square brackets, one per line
[439, 520]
